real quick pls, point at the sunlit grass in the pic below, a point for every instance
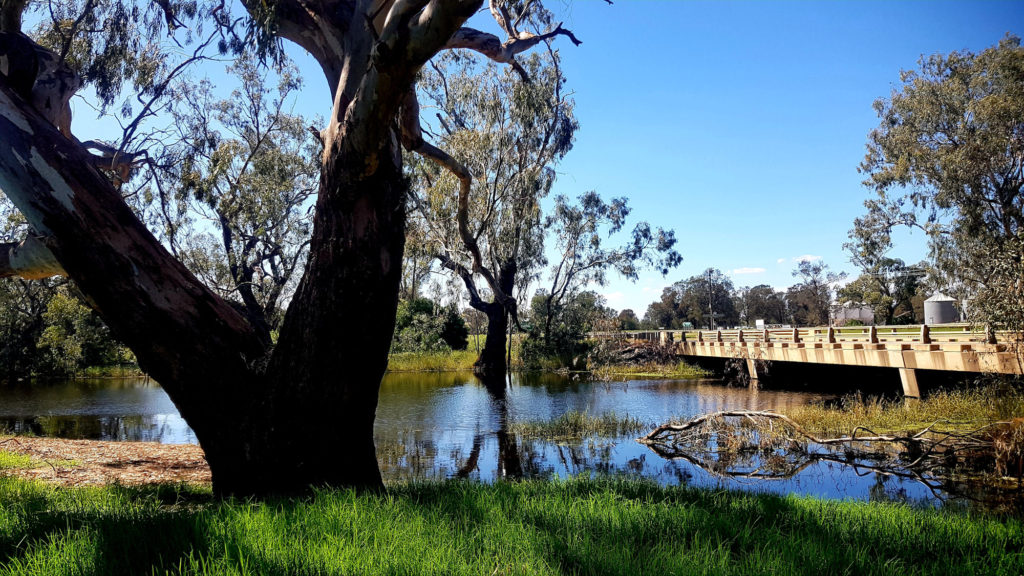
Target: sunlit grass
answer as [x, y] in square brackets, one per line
[574, 426]
[16, 461]
[954, 410]
[455, 361]
[13, 461]
[118, 371]
[577, 526]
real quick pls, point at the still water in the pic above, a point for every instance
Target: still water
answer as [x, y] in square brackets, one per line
[432, 426]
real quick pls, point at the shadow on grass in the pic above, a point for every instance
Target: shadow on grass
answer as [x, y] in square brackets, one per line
[111, 530]
[565, 527]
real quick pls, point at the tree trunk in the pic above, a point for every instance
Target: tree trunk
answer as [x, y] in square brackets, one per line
[302, 416]
[278, 425]
[332, 352]
[491, 366]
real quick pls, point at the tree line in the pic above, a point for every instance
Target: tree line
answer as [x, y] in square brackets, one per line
[893, 295]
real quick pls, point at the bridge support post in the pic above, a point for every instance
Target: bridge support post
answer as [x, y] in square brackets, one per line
[752, 371]
[909, 380]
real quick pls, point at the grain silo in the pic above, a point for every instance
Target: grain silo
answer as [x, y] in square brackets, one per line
[940, 309]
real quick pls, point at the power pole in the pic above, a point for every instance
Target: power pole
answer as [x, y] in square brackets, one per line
[711, 300]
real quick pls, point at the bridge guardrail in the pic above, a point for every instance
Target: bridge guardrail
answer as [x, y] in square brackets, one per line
[910, 334]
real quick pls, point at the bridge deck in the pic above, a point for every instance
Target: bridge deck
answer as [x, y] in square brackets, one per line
[956, 347]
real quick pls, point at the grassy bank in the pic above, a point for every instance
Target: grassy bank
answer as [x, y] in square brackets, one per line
[570, 527]
[680, 370]
[953, 410]
[119, 371]
[455, 361]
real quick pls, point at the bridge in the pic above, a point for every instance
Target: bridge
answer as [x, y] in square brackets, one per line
[954, 347]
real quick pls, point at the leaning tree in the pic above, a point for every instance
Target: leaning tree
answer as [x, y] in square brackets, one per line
[270, 420]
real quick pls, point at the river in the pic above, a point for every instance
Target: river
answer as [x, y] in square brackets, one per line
[447, 425]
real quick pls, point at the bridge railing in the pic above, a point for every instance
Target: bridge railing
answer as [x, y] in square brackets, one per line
[913, 334]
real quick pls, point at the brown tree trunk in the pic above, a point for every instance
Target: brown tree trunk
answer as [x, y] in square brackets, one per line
[491, 366]
[268, 425]
[332, 352]
[301, 416]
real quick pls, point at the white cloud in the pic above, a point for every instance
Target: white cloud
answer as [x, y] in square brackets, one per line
[748, 270]
[806, 258]
[780, 260]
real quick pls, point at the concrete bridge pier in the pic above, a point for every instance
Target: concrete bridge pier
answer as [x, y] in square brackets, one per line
[752, 371]
[908, 377]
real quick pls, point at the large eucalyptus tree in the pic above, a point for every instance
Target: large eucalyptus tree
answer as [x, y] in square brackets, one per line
[270, 420]
[948, 157]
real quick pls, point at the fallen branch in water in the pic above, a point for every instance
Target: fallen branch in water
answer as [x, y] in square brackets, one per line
[667, 432]
[763, 445]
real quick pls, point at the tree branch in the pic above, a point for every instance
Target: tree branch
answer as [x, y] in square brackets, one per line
[504, 52]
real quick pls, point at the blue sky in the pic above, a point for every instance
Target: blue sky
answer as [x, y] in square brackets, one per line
[739, 125]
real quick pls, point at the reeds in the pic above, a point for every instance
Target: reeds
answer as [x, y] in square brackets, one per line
[455, 361]
[956, 410]
[575, 426]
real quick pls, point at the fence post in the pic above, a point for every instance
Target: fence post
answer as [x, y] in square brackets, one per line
[831, 335]
[796, 336]
[873, 335]
[925, 337]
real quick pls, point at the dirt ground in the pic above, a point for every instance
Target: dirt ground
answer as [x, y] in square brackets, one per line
[85, 462]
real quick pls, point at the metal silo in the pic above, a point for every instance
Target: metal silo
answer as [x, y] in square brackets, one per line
[940, 309]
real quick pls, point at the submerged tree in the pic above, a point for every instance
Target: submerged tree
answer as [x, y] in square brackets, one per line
[948, 157]
[509, 132]
[238, 395]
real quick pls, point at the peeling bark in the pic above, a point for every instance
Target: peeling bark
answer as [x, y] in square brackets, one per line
[29, 259]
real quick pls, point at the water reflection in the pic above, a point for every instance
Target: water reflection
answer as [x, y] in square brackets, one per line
[446, 425]
[134, 409]
[450, 425]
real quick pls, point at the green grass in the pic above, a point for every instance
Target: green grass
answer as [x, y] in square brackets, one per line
[566, 527]
[955, 410]
[14, 461]
[575, 426]
[680, 370]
